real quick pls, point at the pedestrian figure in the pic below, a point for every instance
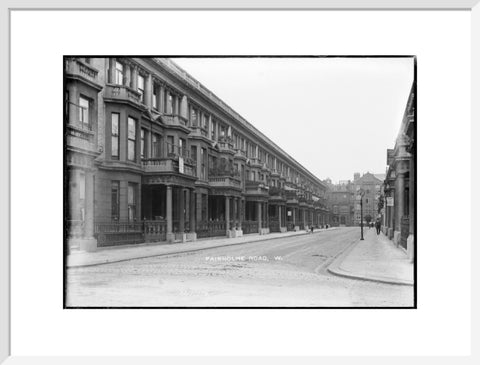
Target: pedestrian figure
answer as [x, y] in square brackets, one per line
[311, 229]
[377, 226]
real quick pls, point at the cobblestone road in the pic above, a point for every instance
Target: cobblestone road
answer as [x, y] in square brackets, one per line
[287, 272]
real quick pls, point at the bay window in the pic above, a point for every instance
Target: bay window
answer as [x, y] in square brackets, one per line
[155, 145]
[83, 112]
[193, 117]
[132, 201]
[142, 143]
[141, 88]
[203, 158]
[132, 131]
[118, 73]
[154, 98]
[115, 135]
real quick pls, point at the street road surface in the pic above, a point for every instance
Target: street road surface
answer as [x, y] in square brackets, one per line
[286, 272]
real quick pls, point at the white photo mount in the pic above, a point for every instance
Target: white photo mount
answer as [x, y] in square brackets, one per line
[10, 238]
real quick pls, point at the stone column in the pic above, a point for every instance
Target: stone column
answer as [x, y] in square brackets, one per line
[400, 190]
[186, 193]
[411, 213]
[148, 91]
[88, 241]
[294, 211]
[227, 213]
[391, 214]
[267, 217]
[183, 108]
[209, 126]
[170, 236]
[199, 162]
[181, 223]
[199, 206]
[161, 99]
[192, 211]
[259, 216]
[235, 212]
[387, 215]
[134, 77]
[88, 233]
[242, 213]
[177, 104]
[126, 75]
[279, 215]
[411, 196]
[112, 70]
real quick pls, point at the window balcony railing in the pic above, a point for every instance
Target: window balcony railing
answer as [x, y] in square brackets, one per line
[240, 152]
[292, 197]
[224, 181]
[256, 188]
[174, 151]
[254, 184]
[255, 162]
[225, 144]
[175, 120]
[75, 67]
[220, 170]
[274, 191]
[81, 131]
[199, 131]
[123, 93]
[168, 165]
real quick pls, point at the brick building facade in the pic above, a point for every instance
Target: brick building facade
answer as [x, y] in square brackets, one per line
[371, 187]
[340, 203]
[153, 155]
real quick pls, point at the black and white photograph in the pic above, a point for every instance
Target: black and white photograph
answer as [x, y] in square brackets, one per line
[240, 181]
[218, 182]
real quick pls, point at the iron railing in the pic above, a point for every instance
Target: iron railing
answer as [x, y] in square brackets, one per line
[211, 229]
[250, 227]
[274, 226]
[114, 233]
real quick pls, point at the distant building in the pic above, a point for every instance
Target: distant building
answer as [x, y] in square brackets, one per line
[340, 203]
[371, 187]
[399, 185]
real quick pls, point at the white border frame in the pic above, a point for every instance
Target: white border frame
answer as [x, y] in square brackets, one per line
[395, 5]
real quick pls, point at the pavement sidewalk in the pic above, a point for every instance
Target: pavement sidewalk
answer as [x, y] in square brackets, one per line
[375, 259]
[138, 251]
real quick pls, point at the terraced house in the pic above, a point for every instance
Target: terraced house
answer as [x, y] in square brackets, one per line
[152, 155]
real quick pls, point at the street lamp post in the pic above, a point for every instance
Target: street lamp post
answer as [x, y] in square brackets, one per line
[361, 193]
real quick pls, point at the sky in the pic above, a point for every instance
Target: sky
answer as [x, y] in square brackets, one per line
[335, 116]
